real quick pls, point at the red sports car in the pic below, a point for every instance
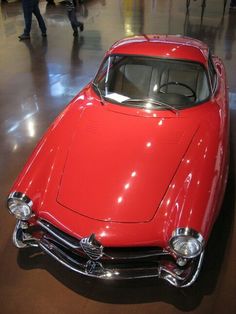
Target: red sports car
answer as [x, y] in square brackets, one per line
[129, 179]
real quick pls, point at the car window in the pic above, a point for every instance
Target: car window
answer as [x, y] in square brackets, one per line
[124, 78]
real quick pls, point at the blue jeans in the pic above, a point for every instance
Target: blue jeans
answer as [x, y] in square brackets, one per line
[30, 7]
[71, 10]
[73, 20]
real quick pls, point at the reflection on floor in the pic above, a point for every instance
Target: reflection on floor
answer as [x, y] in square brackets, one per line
[38, 78]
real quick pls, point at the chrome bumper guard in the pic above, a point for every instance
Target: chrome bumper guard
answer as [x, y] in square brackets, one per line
[68, 251]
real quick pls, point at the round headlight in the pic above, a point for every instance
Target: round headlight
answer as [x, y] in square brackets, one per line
[20, 205]
[186, 242]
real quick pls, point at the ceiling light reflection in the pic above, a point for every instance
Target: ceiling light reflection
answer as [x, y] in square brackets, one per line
[57, 89]
[120, 199]
[127, 185]
[148, 105]
[133, 174]
[15, 147]
[31, 128]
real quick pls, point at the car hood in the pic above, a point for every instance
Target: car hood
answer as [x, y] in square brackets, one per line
[119, 166]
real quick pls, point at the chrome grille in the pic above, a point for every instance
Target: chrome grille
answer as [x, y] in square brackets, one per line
[83, 247]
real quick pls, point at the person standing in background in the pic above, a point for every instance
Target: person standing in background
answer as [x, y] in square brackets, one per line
[232, 4]
[71, 10]
[30, 7]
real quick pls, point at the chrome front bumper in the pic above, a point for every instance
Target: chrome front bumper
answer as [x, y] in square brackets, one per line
[68, 251]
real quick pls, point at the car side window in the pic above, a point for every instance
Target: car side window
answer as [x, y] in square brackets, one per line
[212, 72]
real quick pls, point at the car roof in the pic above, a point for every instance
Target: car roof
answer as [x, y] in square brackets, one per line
[163, 46]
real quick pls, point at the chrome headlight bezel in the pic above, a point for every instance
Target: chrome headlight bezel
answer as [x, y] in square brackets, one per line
[190, 239]
[20, 205]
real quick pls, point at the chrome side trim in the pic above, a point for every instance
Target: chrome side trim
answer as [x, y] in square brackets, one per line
[22, 239]
[45, 226]
[16, 237]
[177, 282]
[196, 273]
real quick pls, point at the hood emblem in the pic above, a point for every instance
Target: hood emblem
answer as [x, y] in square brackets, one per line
[92, 247]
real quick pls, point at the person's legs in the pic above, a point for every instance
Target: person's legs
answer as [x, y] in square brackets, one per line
[73, 21]
[39, 17]
[27, 10]
[71, 9]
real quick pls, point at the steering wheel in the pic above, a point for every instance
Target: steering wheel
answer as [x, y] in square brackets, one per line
[193, 94]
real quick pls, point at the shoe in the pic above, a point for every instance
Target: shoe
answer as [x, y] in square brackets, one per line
[81, 27]
[24, 36]
[44, 34]
[75, 34]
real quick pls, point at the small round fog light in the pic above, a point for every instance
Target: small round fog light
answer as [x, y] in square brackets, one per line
[181, 261]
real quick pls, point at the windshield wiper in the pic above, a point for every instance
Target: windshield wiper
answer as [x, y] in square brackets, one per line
[153, 102]
[99, 92]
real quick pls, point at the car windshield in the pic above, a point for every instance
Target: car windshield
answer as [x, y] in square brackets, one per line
[162, 83]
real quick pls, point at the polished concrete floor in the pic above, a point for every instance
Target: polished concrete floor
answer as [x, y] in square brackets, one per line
[37, 80]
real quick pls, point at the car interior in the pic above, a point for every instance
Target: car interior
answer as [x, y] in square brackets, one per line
[173, 82]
